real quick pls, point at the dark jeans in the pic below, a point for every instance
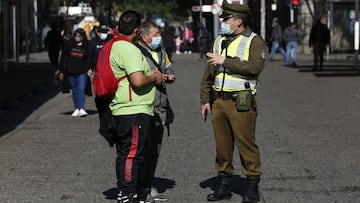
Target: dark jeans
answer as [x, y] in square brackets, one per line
[319, 50]
[134, 134]
[203, 48]
[154, 151]
[78, 85]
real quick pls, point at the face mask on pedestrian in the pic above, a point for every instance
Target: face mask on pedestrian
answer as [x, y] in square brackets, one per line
[155, 43]
[103, 36]
[78, 39]
[226, 29]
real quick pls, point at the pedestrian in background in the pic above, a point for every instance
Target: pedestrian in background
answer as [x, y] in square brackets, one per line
[169, 39]
[178, 35]
[44, 33]
[319, 38]
[102, 35]
[276, 39]
[53, 41]
[150, 44]
[132, 107]
[203, 37]
[291, 36]
[73, 65]
[228, 90]
[187, 39]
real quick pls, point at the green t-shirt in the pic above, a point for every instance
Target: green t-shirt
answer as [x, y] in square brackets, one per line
[126, 58]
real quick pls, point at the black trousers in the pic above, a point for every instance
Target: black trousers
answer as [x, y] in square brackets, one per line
[105, 128]
[154, 151]
[134, 134]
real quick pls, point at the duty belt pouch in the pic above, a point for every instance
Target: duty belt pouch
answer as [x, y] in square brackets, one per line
[243, 100]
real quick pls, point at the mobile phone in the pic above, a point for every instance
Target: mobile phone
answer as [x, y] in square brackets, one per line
[206, 114]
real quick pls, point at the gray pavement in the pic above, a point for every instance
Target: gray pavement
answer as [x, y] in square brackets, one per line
[308, 133]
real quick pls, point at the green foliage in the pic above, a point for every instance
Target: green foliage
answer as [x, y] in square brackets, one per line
[168, 9]
[152, 8]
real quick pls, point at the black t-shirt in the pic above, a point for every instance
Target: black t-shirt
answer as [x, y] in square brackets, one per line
[74, 59]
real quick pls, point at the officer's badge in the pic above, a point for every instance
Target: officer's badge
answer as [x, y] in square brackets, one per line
[263, 54]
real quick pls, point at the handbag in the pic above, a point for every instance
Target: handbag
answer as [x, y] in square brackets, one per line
[169, 114]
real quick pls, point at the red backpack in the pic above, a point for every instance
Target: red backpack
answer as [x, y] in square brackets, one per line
[105, 83]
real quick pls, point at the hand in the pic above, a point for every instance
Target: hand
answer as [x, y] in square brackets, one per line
[61, 76]
[205, 108]
[90, 73]
[159, 77]
[215, 59]
[170, 78]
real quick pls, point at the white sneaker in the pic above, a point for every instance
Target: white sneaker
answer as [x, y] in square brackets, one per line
[75, 113]
[157, 196]
[82, 113]
[190, 52]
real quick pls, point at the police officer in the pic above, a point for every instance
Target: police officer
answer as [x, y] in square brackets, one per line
[238, 56]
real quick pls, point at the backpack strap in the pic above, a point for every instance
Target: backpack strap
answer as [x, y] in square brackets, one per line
[147, 54]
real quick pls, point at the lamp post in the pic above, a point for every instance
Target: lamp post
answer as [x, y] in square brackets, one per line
[356, 34]
[200, 15]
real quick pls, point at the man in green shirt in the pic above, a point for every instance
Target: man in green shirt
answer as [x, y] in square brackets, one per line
[132, 108]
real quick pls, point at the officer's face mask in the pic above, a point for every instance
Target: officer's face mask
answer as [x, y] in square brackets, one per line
[103, 36]
[226, 29]
[155, 43]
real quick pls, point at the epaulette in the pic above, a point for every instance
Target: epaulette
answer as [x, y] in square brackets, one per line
[247, 34]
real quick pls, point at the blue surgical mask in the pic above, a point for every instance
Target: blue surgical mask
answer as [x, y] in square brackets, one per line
[103, 36]
[155, 43]
[225, 29]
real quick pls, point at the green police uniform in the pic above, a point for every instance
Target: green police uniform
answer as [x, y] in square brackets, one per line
[246, 54]
[230, 126]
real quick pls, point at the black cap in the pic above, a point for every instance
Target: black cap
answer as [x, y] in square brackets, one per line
[231, 10]
[103, 29]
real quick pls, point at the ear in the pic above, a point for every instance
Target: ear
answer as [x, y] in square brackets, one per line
[239, 21]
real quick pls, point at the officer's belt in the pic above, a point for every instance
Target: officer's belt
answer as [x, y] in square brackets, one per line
[224, 95]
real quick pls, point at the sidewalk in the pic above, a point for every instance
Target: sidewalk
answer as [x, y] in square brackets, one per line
[307, 131]
[24, 77]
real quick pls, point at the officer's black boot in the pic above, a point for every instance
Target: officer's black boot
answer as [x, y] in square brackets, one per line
[223, 189]
[252, 190]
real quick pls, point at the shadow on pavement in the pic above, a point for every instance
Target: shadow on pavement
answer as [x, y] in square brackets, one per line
[332, 70]
[162, 184]
[23, 90]
[111, 193]
[238, 184]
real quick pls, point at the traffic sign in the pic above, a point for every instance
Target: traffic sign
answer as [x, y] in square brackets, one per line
[195, 8]
[216, 9]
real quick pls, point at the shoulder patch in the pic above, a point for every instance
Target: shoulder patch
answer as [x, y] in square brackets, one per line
[247, 34]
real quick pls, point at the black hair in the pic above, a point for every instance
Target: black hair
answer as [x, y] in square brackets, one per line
[82, 32]
[129, 21]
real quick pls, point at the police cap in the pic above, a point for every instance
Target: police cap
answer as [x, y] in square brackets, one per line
[231, 10]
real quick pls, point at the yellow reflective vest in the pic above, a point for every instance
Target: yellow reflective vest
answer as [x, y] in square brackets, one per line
[228, 82]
